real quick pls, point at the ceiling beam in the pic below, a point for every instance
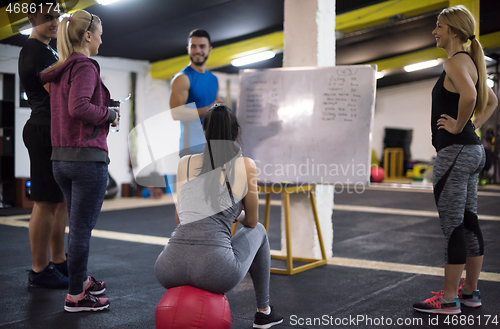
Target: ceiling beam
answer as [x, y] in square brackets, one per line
[382, 13]
[488, 41]
[220, 56]
[10, 23]
[350, 21]
[491, 40]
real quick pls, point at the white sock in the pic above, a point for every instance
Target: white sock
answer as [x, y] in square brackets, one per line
[265, 312]
[86, 282]
[75, 297]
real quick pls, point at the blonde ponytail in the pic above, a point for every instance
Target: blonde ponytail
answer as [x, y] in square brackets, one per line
[462, 22]
[477, 55]
[71, 33]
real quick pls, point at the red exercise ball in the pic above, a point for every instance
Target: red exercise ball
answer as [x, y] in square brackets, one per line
[377, 174]
[187, 307]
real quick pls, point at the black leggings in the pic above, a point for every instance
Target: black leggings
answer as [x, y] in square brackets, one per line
[455, 175]
[84, 186]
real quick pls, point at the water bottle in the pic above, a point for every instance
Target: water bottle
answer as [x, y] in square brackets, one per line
[115, 105]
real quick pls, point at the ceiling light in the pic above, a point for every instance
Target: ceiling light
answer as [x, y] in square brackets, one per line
[420, 66]
[63, 16]
[253, 58]
[26, 29]
[379, 75]
[490, 82]
[106, 2]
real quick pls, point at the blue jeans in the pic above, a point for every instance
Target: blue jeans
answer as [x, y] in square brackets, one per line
[83, 185]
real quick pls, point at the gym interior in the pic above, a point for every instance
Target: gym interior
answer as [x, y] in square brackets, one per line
[383, 241]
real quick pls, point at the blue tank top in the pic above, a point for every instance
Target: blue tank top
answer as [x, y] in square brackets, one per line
[203, 92]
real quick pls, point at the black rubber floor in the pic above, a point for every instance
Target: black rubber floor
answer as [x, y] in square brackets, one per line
[325, 297]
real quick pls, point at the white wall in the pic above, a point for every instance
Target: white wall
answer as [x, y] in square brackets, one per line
[406, 106]
[116, 74]
[228, 88]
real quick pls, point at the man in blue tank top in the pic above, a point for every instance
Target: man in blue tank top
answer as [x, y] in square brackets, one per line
[194, 84]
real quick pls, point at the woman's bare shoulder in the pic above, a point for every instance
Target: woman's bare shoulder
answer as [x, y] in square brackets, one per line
[458, 62]
[248, 162]
[193, 160]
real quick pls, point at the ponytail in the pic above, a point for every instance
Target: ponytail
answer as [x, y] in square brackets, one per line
[70, 34]
[462, 22]
[477, 55]
[221, 131]
[64, 46]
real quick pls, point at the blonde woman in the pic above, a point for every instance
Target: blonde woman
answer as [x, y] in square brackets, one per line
[80, 123]
[460, 93]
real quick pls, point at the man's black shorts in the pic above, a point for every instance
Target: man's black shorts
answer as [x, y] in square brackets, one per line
[43, 185]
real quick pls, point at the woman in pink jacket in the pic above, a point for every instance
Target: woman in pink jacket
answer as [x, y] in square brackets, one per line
[80, 121]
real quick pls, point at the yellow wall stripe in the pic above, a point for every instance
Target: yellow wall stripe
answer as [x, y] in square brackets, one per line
[380, 13]
[491, 40]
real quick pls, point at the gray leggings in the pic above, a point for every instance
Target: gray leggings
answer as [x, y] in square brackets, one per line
[455, 175]
[219, 269]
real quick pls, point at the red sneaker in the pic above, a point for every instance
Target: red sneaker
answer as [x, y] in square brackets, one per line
[438, 305]
[95, 287]
[86, 303]
[471, 300]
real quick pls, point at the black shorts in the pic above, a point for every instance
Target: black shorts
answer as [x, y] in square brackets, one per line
[43, 185]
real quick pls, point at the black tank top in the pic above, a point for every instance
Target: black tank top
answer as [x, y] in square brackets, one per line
[446, 102]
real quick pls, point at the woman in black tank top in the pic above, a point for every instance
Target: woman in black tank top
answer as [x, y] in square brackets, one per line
[460, 93]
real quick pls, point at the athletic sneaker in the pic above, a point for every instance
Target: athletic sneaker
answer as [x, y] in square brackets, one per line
[438, 305]
[95, 287]
[267, 321]
[50, 277]
[471, 300]
[62, 267]
[86, 303]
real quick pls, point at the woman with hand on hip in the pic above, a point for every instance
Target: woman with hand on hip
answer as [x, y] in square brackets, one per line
[460, 93]
[80, 123]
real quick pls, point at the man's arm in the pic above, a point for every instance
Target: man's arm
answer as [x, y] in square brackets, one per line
[179, 97]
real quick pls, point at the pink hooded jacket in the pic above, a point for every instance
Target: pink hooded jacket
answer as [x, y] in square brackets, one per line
[80, 116]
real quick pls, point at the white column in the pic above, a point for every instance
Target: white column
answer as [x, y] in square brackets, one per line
[309, 30]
